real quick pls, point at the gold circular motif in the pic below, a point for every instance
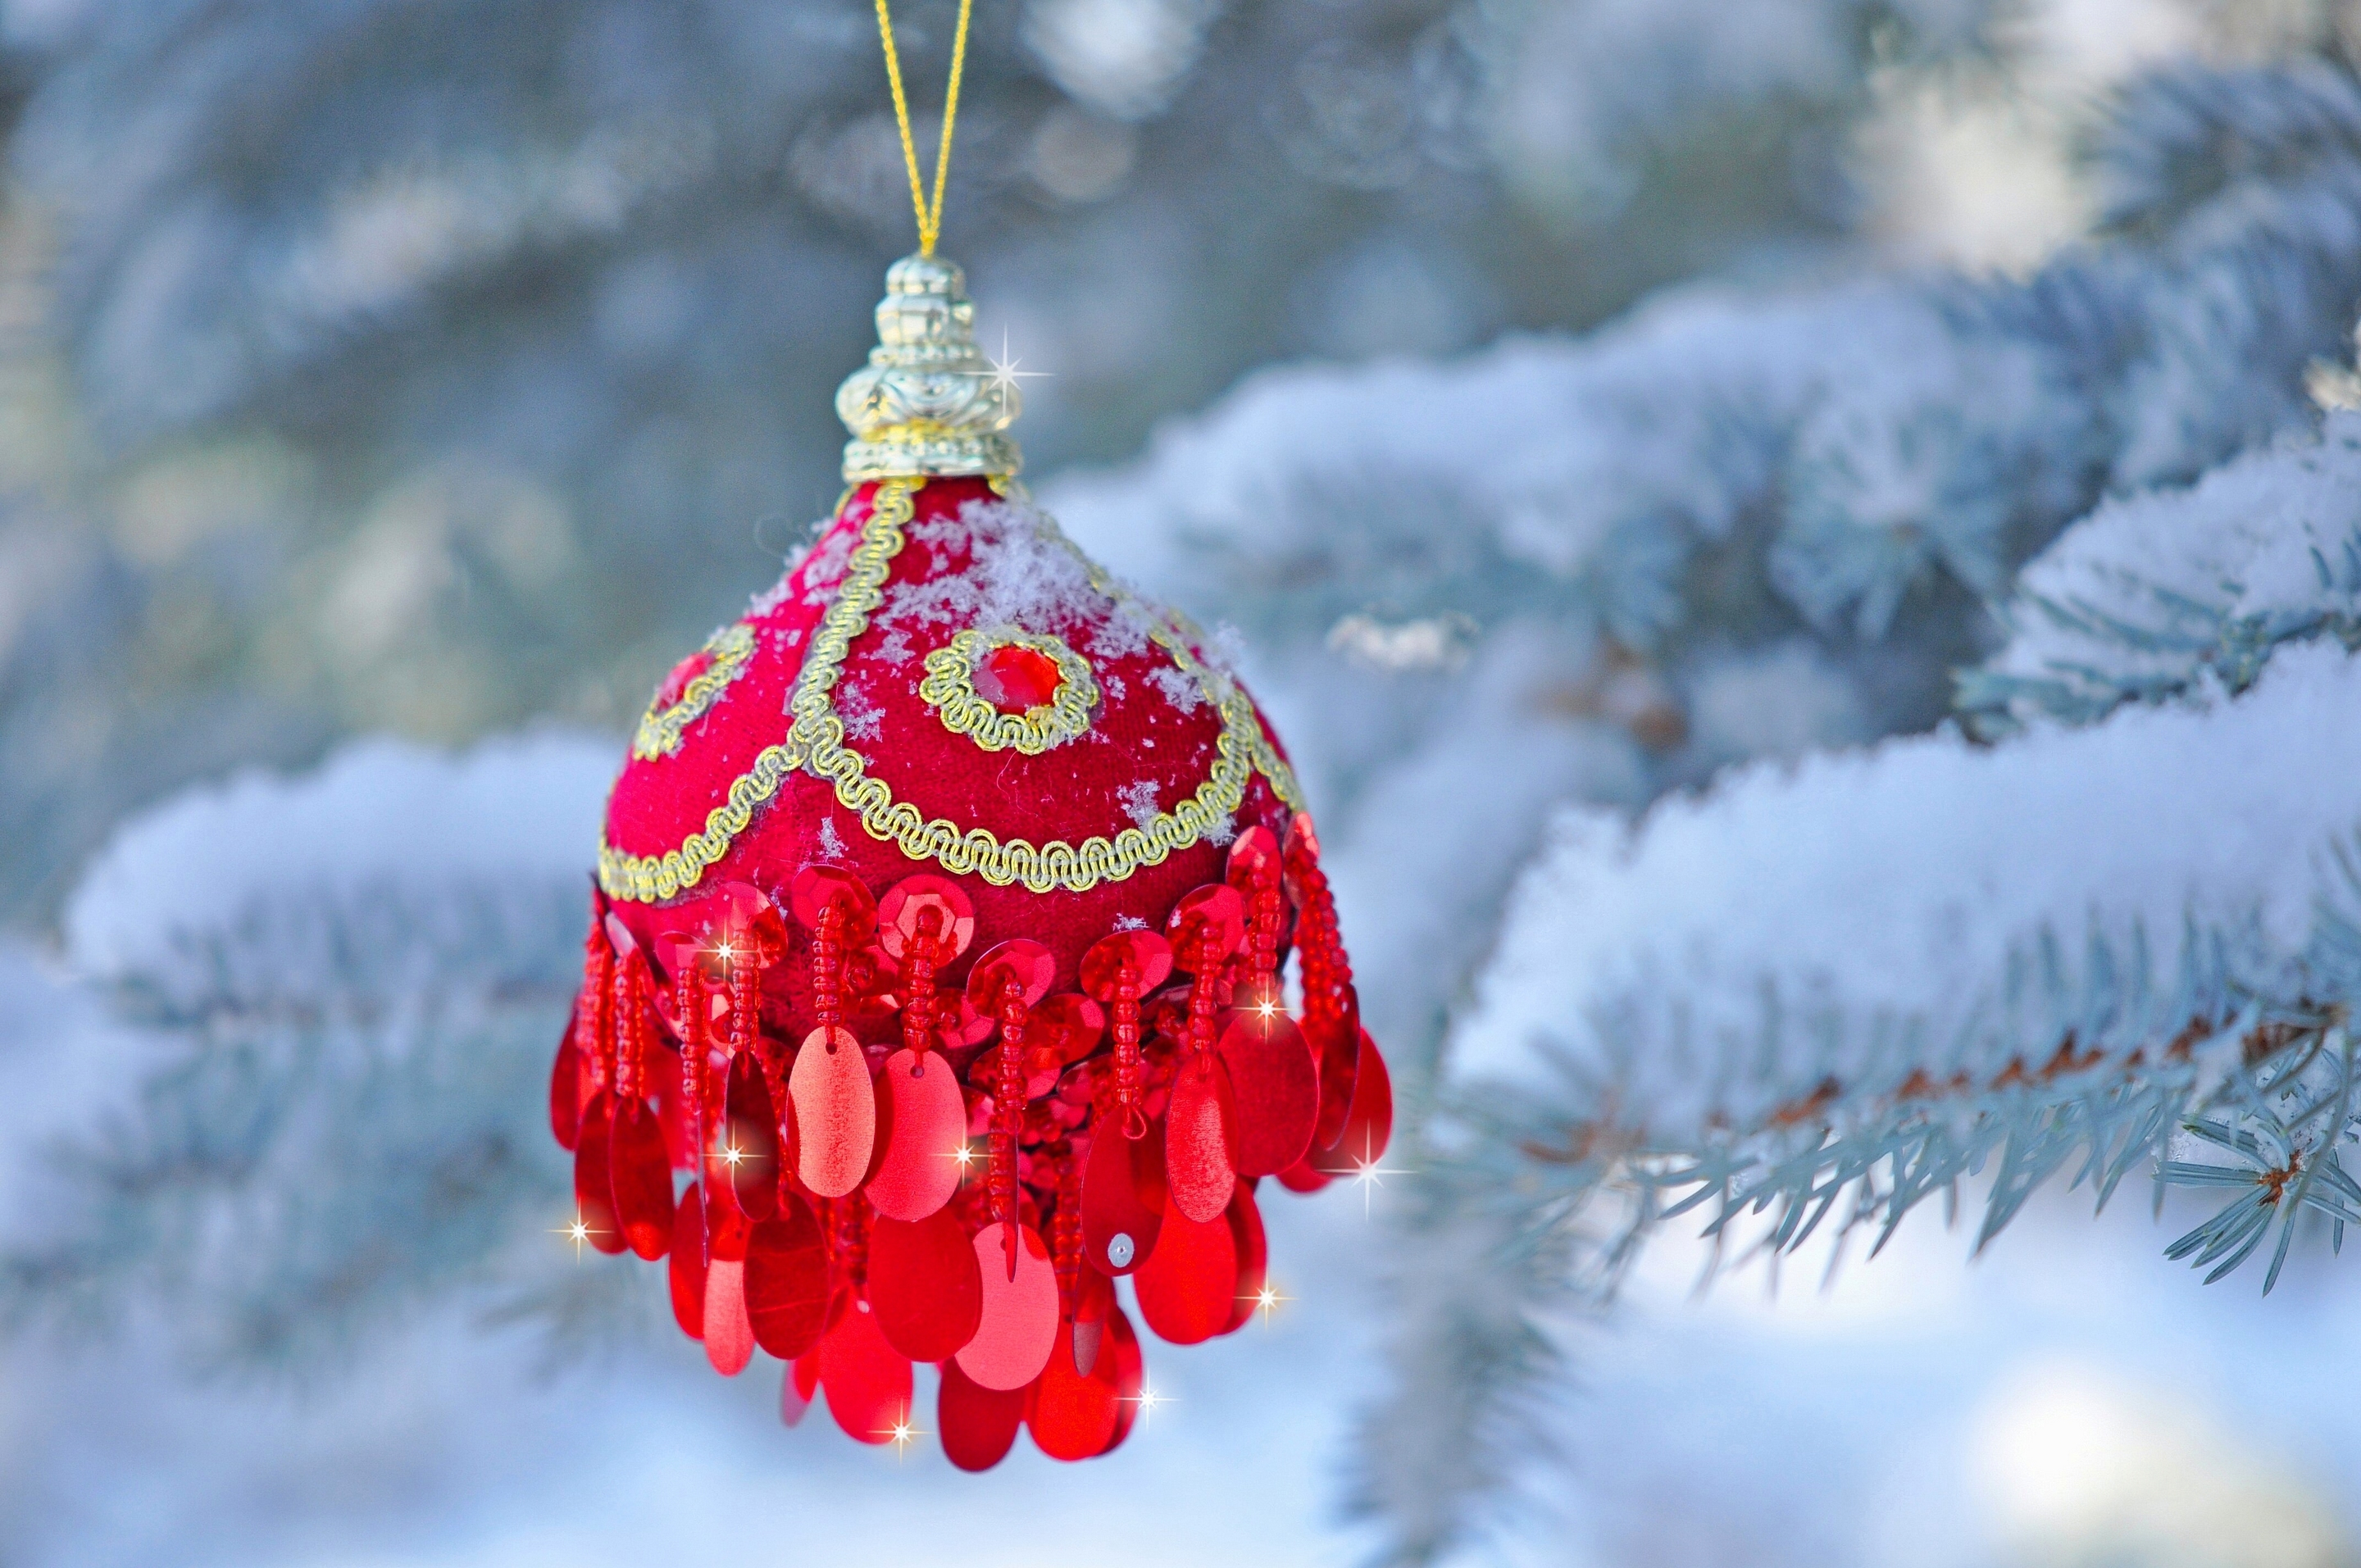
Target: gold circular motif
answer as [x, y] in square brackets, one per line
[949, 690]
[661, 727]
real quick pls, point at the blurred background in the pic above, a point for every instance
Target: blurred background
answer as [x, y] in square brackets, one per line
[440, 372]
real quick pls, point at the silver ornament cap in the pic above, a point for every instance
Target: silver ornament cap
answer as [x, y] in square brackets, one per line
[927, 403]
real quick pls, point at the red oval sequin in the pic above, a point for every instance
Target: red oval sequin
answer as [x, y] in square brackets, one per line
[1071, 1415]
[866, 1380]
[685, 1273]
[1368, 1122]
[594, 1190]
[920, 1169]
[1276, 1089]
[1020, 1316]
[1129, 1370]
[1094, 1298]
[978, 1425]
[729, 1335]
[1119, 1225]
[1189, 1283]
[1336, 1041]
[1199, 1165]
[744, 1160]
[926, 1289]
[1254, 1257]
[639, 1173]
[566, 1093]
[836, 1112]
[785, 1279]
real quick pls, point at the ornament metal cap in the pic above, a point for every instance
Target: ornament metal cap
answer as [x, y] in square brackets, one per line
[927, 403]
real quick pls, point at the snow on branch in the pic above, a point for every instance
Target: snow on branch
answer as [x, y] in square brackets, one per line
[1856, 443]
[1875, 936]
[2156, 592]
[355, 978]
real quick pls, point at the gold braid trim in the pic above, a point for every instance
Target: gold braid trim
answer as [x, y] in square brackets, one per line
[949, 690]
[732, 649]
[816, 742]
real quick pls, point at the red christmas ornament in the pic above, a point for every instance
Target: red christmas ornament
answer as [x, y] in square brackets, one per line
[942, 919]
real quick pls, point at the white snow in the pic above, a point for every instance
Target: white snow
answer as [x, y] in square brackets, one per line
[1868, 913]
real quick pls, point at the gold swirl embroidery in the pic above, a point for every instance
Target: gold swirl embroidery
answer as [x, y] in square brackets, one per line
[816, 742]
[949, 690]
[731, 650]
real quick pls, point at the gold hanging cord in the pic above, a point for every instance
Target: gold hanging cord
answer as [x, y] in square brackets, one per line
[930, 216]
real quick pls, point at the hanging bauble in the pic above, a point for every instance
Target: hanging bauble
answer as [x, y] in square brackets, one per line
[943, 913]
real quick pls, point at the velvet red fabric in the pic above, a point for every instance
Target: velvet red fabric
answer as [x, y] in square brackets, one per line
[1151, 743]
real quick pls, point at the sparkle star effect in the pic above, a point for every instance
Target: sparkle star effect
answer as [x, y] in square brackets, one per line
[1369, 1175]
[901, 1434]
[578, 1232]
[1267, 1301]
[1149, 1401]
[1005, 375]
[966, 1156]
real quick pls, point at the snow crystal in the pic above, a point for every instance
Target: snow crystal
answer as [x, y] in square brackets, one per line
[1139, 801]
[864, 719]
[1661, 957]
[1020, 573]
[1129, 923]
[832, 843]
[1179, 689]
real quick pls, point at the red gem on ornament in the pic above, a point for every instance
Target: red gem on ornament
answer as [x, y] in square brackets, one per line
[867, 1381]
[1275, 1087]
[1016, 679]
[1199, 1163]
[1071, 1413]
[978, 1425]
[785, 1279]
[1120, 1225]
[926, 1288]
[1190, 1282]
[1020, 1315]
[836, 1112]
[926, 1127]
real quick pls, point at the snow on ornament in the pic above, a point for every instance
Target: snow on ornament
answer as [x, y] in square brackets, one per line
[950, 1022]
